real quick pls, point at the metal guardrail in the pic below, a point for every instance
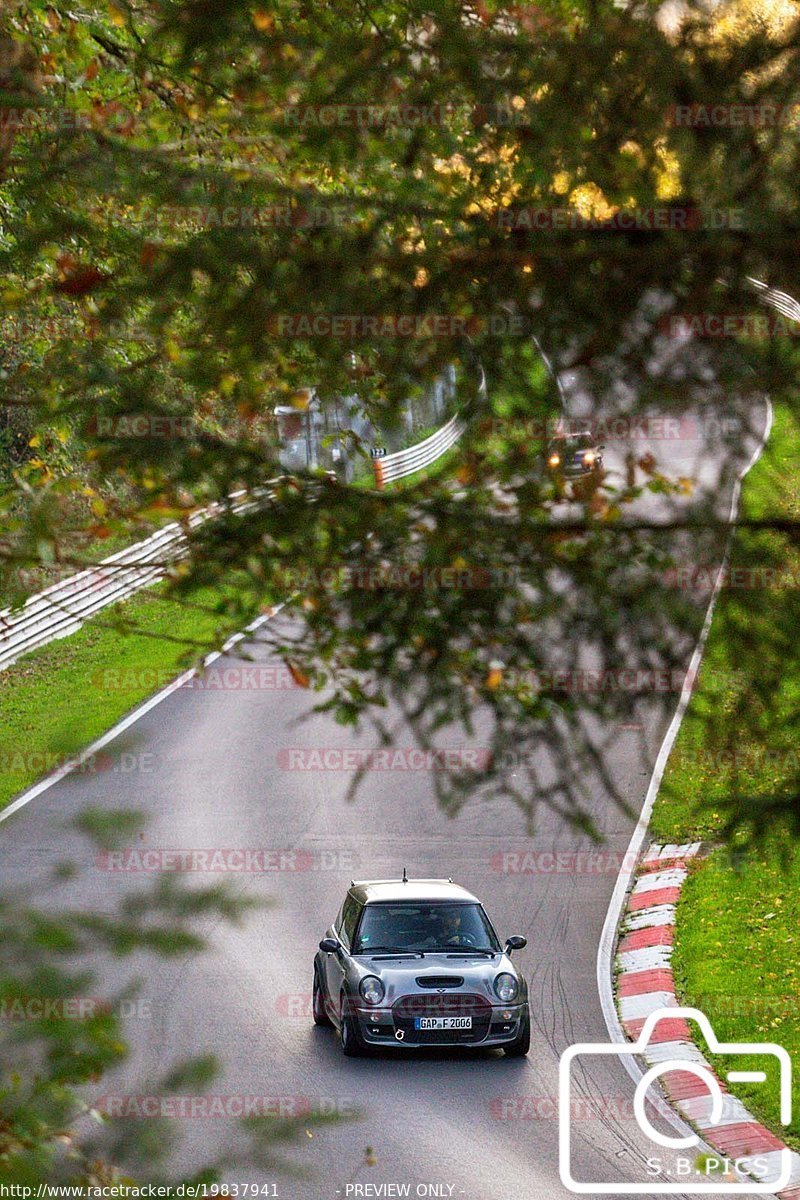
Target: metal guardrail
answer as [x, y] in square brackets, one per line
[780, 301]
[61, 609]
[414, 458]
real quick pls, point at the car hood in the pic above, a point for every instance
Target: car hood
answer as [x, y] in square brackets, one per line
[400, 976]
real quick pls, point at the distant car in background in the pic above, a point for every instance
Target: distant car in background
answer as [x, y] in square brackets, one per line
[574, 455]
[416, 962]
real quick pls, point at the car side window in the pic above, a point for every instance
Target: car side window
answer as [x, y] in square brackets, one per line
[351, 911]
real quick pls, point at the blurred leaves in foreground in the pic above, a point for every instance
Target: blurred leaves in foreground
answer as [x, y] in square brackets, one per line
[207, 209]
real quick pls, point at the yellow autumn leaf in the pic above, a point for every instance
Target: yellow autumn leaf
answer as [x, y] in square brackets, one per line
[263, 21]
[300, 677]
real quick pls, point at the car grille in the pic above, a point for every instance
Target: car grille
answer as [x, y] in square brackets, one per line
[440, 981]
[407, 1008]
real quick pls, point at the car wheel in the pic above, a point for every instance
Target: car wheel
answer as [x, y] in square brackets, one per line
[318, 1001]
[522, 1042]
[349, 1035]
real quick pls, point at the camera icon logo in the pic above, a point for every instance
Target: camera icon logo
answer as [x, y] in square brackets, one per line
[774, 1175]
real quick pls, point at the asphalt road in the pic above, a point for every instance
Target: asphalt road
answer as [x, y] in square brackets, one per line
[205, 766]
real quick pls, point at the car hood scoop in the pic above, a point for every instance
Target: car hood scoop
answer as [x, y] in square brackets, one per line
[440, 981]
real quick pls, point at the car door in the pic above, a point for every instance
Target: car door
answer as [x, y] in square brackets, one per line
[336, 964]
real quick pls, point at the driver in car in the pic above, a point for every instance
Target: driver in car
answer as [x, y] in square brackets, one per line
[452, 930]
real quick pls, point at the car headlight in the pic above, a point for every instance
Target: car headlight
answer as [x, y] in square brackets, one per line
[554, 460]
[506, 987]
[372, 990]
[589, 457]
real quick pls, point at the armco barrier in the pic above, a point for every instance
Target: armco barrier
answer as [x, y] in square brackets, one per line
[61, 609]
[786, 305]
[414, 458]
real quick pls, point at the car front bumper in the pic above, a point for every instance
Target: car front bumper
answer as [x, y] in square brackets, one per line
[378, 1027]
[575, 471]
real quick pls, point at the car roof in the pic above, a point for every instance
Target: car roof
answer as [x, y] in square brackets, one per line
[367, 891]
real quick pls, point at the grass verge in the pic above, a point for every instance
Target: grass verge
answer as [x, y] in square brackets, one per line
[53, 702]
[737, 955]
[57, 700]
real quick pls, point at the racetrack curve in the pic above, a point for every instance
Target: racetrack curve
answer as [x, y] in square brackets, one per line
[477, 1125]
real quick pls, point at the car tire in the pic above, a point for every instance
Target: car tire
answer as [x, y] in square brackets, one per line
[522, 1042]
[349, 1034]
[318, 1010]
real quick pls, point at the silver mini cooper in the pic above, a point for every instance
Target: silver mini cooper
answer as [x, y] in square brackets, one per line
[417, 963]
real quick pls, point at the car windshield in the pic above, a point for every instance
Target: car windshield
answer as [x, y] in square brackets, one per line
[571, 444]
[419, 926]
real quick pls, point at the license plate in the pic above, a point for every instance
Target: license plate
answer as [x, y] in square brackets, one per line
[443, 1022]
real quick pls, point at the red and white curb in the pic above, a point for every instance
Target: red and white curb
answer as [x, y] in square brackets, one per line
[645, 984]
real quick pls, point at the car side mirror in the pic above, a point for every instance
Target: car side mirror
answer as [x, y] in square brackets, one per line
[517, 942]
[329, 945]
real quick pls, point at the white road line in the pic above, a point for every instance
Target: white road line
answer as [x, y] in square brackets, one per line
[605, 950]
[73, 763]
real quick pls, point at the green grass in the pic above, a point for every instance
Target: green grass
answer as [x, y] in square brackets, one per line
[53, 703]
[56, 700]
[737, 959]
[739, 734]
[737, 954]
